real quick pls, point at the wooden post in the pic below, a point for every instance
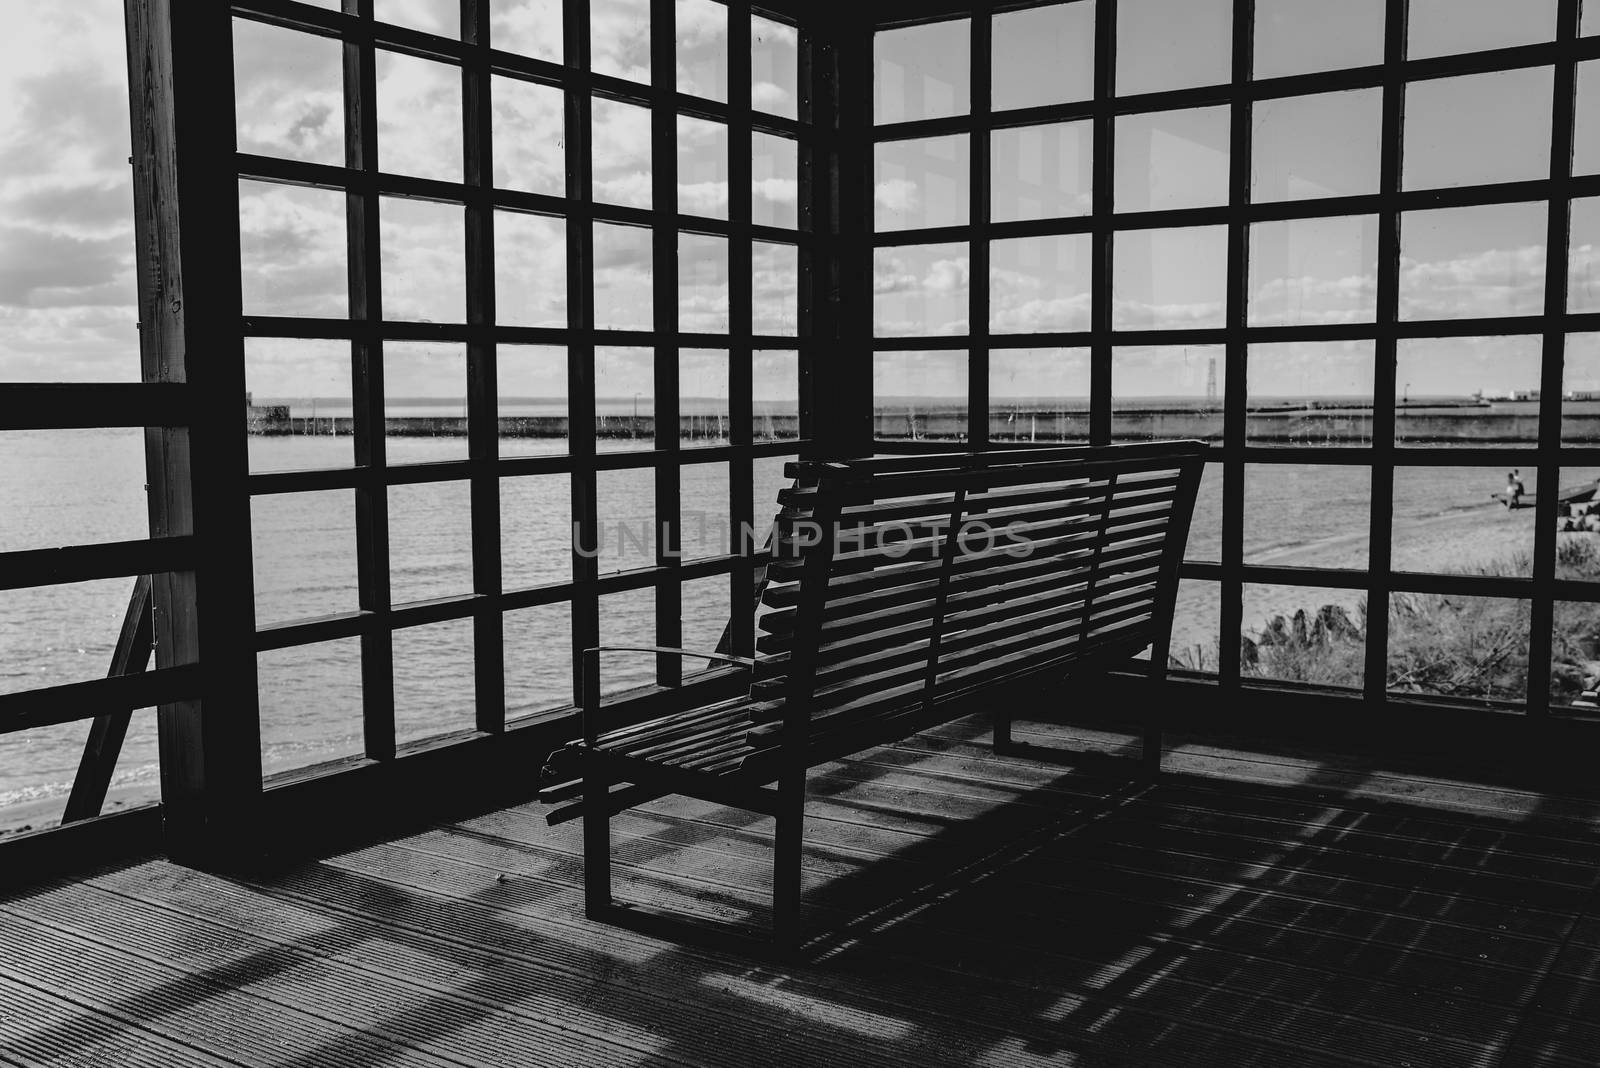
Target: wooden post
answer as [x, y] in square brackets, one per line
[186, 206]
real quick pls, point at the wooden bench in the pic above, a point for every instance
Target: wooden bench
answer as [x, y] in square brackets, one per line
[897, 588]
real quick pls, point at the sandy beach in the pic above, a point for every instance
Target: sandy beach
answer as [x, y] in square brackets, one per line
[30, 816]
[1489, 537]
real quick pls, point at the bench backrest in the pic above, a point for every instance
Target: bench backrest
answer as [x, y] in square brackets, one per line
[900, 582]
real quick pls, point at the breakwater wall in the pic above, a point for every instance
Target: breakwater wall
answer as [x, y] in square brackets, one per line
[1266, 427]
[276, 422]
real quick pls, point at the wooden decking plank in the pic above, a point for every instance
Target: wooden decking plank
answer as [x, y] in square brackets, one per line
[1455, 947]
[522, 987]
[1288, 805]
[1222, 816]
[828, 985]
[1017, 955]
[40, 1027]
[951, 982]
[217, 1014]
[1578, 817]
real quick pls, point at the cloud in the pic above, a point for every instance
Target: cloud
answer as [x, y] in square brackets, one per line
[41, 267]
[1508, 281]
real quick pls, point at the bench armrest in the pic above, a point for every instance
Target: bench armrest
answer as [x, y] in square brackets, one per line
[590, 695]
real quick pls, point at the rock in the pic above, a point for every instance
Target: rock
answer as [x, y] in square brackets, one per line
[1249, 653]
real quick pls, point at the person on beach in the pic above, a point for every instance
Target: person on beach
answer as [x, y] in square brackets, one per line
[1513, 488]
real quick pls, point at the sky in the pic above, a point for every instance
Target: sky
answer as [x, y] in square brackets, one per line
[66, 250]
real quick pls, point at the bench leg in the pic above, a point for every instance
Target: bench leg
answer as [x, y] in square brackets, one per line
[787, 847]
[596, 841]
[1002, 727]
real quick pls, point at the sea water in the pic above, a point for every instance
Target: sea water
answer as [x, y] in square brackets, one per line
[87, 486]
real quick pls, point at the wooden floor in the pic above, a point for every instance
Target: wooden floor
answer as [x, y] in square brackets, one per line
[1250, 910]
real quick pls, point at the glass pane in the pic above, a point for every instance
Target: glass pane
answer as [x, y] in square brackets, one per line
[1477, 129]
[532, 382]
[1173, 44]
[919, 289]
[702, 284]
[621, 153]
[1580, 392]
[538, 658]
[1455, 646]
[1205, 529]
[703, 397]
[1583, 262]
[1039, 395]
[775, 289]
[54, 635]
[535, 531]
[626, 508]
[1304, 634]
[425, 401]
[1312, 515]
[288, 93]
[702, 38]
[919, 396]
[1305, 147]
[310, 705]
[424, 260]
[1310, 393]
[1466, 262]
[1307, 272]
[619, 38]
[442, 17]
[1446, 27]
[1575, 645]
[774, 181]
[627, 619]
[774, 67]
[1167, 392]
[1446, 522]
[1169, 278]
[702, 168]
[434, 680]
[69, 290]
[292, 252]
[1467, 391]
[622, 277]
[775, 397]
[430, 541]
[1303, 36]
[1041, 172]
[704, 507]
[706, 607]
[305, 554]
[1043, 55]
[767, 478]
[72, 487]
[530, 269]
[624, 397]
[922, 72]
[1578, 520]
[529, 137]
[1172, 159]
[1586, 132]
[529, 27]
[1040, 284]
[298, 403]
[922, 183]
[1196, 627]
[419, 117]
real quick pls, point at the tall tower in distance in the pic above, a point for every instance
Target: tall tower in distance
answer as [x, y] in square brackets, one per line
[1211, 382]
